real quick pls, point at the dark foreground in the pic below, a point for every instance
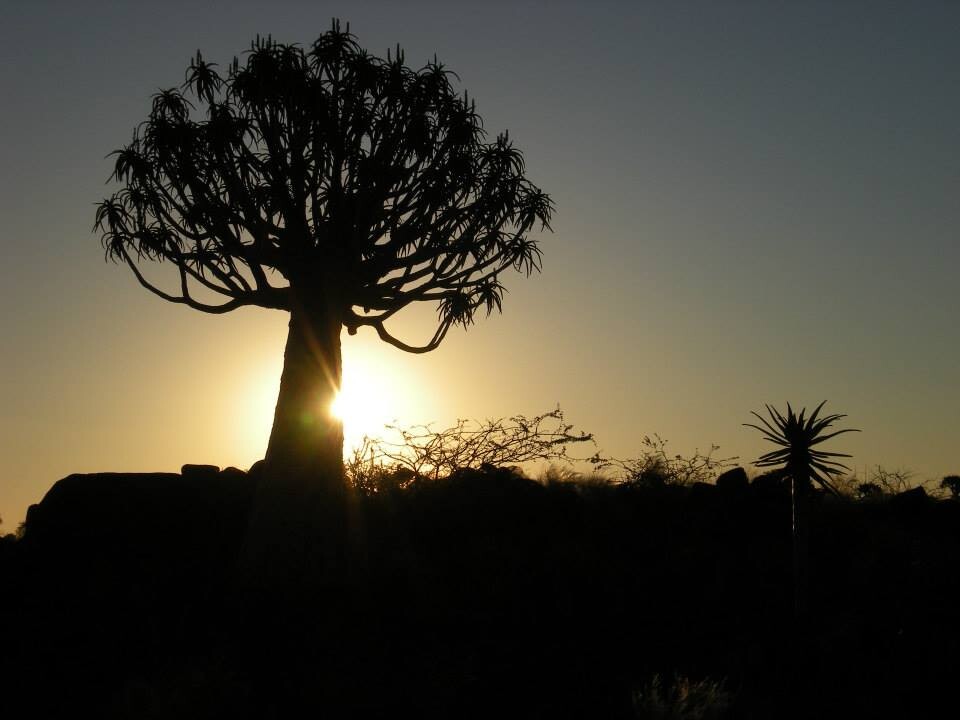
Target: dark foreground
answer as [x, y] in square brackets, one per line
[482, 596]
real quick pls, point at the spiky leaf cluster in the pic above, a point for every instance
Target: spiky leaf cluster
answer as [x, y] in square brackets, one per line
[324, 170]
[796, 437]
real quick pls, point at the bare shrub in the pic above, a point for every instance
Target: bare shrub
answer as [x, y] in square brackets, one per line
[951, 483]
[892, 482]
[655, 466]
[557, 474]
[880, 483]
[422, 453]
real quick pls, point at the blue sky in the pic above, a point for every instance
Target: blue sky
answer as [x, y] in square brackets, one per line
[756, 202]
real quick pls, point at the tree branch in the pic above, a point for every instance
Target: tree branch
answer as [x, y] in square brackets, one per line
[432, 345]
[276, 298]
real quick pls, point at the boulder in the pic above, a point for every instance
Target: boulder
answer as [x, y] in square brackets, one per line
[770, 485]
[199, 471]
[911, 499]
[733, 480]
[146, 519]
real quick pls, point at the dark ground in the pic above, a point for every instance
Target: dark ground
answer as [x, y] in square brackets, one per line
[485, 595]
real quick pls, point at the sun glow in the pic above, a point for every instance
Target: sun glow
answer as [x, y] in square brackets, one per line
[370, 397]
[379, 387]
[357, 407]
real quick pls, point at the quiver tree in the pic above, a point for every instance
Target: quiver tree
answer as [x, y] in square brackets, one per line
[330, 184]
[799, 460]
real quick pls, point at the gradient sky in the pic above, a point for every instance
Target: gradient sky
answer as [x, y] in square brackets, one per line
[756, 202]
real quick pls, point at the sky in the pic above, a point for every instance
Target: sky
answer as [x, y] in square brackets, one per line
[756, 203]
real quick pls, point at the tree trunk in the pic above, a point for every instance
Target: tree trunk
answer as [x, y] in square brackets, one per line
[800, 489]
[801, 656]
[295, 522]
[306, 442]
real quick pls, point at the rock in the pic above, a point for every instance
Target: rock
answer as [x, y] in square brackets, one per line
[733, 480]
[910, 499]
[199, 471]
[770, 484]
[231, 473]
[98, 504]
[141, 518]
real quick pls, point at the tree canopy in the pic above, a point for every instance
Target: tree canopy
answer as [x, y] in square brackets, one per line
[323, 174]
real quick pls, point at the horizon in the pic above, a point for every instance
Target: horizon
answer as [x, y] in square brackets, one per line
[754, 205]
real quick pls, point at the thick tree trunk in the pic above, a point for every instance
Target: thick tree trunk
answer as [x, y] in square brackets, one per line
[306, 442]
[295, 529]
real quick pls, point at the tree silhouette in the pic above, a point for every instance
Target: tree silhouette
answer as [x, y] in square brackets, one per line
[330, 184]
[796, 435]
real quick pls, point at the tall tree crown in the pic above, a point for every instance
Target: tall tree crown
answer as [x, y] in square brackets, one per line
[324, 175]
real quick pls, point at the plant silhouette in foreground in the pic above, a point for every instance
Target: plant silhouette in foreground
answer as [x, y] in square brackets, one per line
[655, 467]
[880, 483]
[796, 436]
[422, 453]
[951, 483]
[330, 184]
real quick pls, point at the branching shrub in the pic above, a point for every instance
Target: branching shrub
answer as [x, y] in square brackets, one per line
[878, 483]
[423, 453]
[868, 491]
[951, 483]
[557, 473]
[892, 482]
[881, 483]
[655, 466]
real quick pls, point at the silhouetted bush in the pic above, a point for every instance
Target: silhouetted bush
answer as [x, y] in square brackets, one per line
[951, 483]
[422, 453]
[883, 483]
[654, 466]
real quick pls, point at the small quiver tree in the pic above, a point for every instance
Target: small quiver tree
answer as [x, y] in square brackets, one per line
[796, 436]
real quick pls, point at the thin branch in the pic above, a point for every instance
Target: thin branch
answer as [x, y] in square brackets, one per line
[185, 300]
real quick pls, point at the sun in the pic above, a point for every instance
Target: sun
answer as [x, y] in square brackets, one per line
[362, 408]
[368, 400]
[376, 390]
[356, 406]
